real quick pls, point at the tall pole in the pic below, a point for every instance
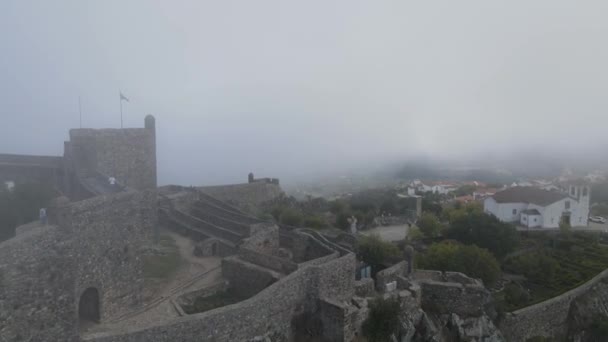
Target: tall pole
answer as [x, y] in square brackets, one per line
[120, 99]
[80, 110]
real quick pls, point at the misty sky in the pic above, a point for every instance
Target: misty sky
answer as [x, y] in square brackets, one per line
[283, 87]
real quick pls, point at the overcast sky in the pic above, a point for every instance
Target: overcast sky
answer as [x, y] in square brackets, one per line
[283, 87]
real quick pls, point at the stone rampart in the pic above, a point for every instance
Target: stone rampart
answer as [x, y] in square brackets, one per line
[265, 241]
[37, 288]
[128, 154]
[270, 310]
[108, 232]
[548, 318]
[45, 271]
[268, 261]
[247, 196]
[245, 278]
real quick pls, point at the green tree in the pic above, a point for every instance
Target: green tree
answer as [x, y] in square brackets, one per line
[342, 220]
[375, 252]
[538, 267]
[383, 320]
[470, 260]
[338, 206]
[291, 217]
[429, 225]
[414, 234]
[469, 225]
[314, 221]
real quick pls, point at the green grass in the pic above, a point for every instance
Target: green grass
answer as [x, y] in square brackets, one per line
[164, 262]
[579, 259]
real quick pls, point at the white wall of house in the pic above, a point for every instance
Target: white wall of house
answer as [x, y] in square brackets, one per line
[531, 221]
[506, 212]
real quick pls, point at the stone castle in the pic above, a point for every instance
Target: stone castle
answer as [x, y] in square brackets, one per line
[291, 284]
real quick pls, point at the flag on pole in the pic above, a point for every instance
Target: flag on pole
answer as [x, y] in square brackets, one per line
[122, 97]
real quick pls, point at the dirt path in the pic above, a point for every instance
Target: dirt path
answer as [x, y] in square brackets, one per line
[194, 273]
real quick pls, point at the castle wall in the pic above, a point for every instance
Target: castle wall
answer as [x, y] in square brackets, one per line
[451, 297]
[129, 154]
[107, 232]
[37, 288]
[245, 278]
[265, 240]
[44, 271]
[31, 169]
[548, 318]
[270, 310]
[247, 196]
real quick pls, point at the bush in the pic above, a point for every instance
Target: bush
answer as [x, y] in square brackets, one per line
[537, 267]
[598, 331]
[375, 252]
[429, 225]
[291, 217]
[342, 220]
[515, 295]
[414, 234]
[471, 226]
[383, 320]
[315, 222]
[470, 260]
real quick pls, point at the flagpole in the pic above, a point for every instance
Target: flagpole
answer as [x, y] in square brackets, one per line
[120, 99]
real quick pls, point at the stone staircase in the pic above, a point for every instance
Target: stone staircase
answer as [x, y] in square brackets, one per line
[207, 218]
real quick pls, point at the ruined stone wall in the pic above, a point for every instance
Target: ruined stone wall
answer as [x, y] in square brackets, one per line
[449, 297]
[270, 310]
[248, 196]
[108, 232]
[43, 272]
[548, 318]
[265, 240]
[37, 288]
[274, 263]
[247, 279]
[303, 246]
[390, 274]
[129, 155]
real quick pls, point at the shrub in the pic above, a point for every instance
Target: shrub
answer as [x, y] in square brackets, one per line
[470, 260]
[429, 225]
[291, 217]
[375, 252]
[316, 222]
[471, 226]
[537, 267]
[383, 320]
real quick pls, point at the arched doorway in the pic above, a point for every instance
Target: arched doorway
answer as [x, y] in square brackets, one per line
[88, 306]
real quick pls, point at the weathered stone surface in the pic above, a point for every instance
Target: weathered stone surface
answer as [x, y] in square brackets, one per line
[271, 310]
[548, 318]
[45, 271]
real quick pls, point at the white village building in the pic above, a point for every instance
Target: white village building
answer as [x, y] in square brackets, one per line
[537, 208]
